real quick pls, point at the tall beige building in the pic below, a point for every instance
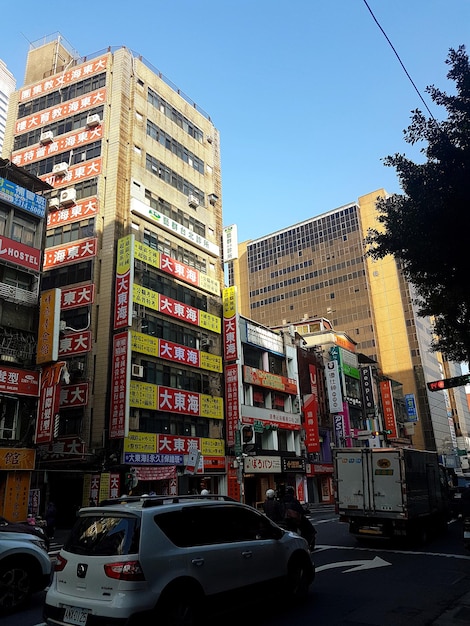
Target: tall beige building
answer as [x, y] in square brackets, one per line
[132, 245]
[317, 268]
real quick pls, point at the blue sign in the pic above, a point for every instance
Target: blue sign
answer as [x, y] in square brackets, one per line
[22, 198]
[153, 458]
[411, 407]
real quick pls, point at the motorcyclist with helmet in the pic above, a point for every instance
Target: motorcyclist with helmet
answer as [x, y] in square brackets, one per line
[272, 507]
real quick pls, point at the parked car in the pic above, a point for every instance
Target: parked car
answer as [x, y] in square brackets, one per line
[24, 527]
[25, 567]
[170, 560]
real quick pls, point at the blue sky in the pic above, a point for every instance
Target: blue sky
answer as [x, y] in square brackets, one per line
[308, 96]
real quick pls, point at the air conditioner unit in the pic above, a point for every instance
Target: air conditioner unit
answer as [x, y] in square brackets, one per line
[193, 201]
[54, 203]
[60, 169]
[68, 196]
[137, 370]
[209, 139]
[76, 366]
[93, 120]
[206, 342]
[47, 136]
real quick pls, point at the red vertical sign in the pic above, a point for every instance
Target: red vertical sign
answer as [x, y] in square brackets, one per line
[232, 402]
[119, 415]
[310, 409]
[49, 401]
[390, 422]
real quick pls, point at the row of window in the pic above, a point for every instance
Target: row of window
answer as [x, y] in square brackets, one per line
[60, 127]
[174, 146]
[165, 329]
[177, 215]
[297, 279]
[311, 233]
[297, 292]
[170, 424]
[168, 287]
[173, 114]
[165, 246]
[174, 179]
[65, 93]
[73, 157]
[18, 227]
[176, 377]
[70, 232]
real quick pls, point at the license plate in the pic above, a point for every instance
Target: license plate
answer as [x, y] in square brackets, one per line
[75, 615]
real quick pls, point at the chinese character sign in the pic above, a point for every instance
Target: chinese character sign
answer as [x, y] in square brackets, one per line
[120, 377]
[388, 408]
[49, 402]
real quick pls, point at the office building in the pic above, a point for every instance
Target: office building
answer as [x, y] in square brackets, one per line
[132, 252]
[317, 269]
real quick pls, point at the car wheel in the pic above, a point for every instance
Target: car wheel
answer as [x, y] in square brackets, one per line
[299, 577]
[179, 606]
[15, 586]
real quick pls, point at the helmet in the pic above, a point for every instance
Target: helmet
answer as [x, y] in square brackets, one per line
[270, 494]
[204, 492]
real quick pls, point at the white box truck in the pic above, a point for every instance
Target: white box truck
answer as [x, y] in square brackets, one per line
[391, 492]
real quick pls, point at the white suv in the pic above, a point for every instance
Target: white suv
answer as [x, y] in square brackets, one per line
[25, 567]
[161, 559]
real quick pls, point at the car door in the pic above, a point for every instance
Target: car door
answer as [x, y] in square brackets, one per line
[240, 547]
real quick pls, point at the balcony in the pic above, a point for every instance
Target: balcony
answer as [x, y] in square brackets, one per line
[10, 293]
[16, 347]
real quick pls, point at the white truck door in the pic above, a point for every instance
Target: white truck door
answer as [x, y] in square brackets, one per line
[386, 481]
[351, 480]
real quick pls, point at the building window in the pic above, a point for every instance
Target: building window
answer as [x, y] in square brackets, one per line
[23, 230]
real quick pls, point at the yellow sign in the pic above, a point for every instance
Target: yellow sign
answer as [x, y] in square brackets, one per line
[146, 254]
[143, 395]
[211, 362]
[212, 447]
[124, 254]
[212, 406]
[209, 284]
[49, 319]
[140, 442]
[229, 301]
[16, 496]
[17, 458]
[145, 297]
[144, 344]
[211, 322]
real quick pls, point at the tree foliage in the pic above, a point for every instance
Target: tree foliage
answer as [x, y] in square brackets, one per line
[427, 228]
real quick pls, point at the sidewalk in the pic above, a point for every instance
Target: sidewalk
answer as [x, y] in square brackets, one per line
[457, 614]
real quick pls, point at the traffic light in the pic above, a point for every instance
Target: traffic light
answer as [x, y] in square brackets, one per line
[447, 383]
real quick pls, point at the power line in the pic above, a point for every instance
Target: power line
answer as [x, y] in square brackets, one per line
[401, 62]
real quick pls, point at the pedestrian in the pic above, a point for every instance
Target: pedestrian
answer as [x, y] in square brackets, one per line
[295, 518]
[272, 507]
[51, 514]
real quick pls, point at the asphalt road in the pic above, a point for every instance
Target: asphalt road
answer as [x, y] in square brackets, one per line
[356, 585]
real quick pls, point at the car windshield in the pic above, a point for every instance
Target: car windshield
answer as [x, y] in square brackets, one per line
[104, 535]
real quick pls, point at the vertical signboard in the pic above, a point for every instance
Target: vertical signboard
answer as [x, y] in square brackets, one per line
[411, 410]
[120, 385]
[231, 339]
[390, 422]
[367, 390]
[232, 401]
[49, 326]
[310, 408]
[124, 282]
[49, 402]
[333, 386]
